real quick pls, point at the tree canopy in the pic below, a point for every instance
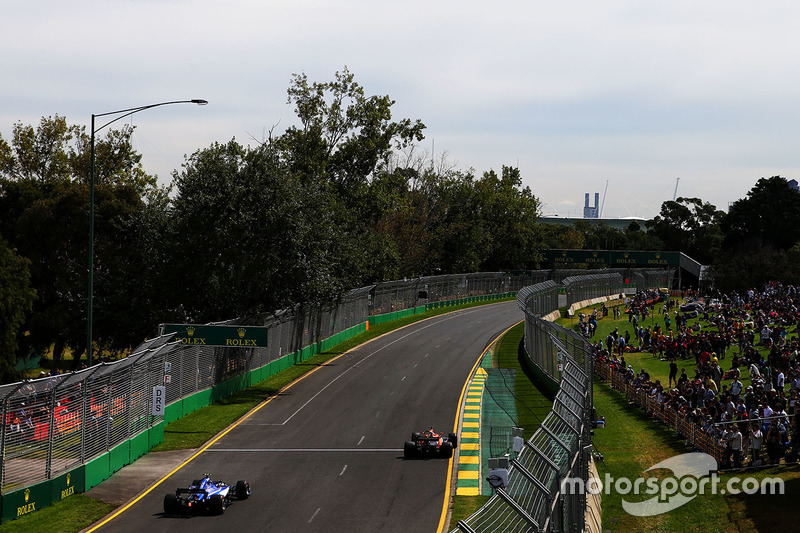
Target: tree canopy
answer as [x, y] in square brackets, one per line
[340, 200]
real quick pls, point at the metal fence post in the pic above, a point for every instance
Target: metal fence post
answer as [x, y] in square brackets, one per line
[3, 435]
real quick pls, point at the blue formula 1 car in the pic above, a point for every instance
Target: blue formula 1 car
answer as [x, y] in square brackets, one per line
[205, 496]
[430, 443]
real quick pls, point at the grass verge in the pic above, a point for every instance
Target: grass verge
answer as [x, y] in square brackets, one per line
[71, 514]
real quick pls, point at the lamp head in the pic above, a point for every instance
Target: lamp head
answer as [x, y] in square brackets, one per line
[199, 101]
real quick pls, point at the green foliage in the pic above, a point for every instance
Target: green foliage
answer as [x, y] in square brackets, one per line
[768, 216]
[44, 206]
[261, 238]
[509, 213]
[689, 225]
[41, 154]
[761, 237]
[344, 135]
[16, 300]
[601, 236]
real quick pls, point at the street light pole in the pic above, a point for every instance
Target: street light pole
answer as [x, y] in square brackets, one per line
[122, 113]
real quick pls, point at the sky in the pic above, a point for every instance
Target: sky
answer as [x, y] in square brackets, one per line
[635, 100]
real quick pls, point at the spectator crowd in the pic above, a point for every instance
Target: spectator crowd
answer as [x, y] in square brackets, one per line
[708, 343]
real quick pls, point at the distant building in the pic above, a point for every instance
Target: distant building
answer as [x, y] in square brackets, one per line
[794, 185]
[591, 214]
[616, 223]
[592, 211]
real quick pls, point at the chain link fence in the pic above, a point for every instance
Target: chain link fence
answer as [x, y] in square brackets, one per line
[406, 294]
[586, 287]
[55, 423]
[532, 500]
[653, 279]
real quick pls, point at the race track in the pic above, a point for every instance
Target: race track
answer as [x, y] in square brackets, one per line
[326, 454]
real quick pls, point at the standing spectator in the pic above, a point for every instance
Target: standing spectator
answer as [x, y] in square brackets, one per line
[767, 374]
[673, 372]
[725, 440]
[774, 445]
[755, 373]
[716, 372]
[735, 439]
[756, 439]
[765, 336]
[736, 388]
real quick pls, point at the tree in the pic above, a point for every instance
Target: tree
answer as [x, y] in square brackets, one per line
[761, 237]
[52, 232]
[16, 300]
[116, 161]
[44, 206]
[345, 142]
[253, 237]
[689, 225]
[343, 134]
[458, 234]
[641, 240]
[601, 236]
[41, 154]
[510, 213]
[558, 236]
[768, 216]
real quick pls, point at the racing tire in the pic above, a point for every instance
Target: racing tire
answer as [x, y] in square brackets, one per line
[409, 449]
[242, 490]
[446, 450]
[216, 504]
[452, 437]
[171, 503]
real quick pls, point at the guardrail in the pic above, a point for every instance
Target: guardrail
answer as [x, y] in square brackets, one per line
[532, 500]
[562, 359]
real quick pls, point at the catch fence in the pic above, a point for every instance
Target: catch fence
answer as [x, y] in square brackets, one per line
[582, 288]
[532, 500]
[54, 424]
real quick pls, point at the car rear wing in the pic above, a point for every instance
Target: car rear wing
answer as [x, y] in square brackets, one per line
[190, 491]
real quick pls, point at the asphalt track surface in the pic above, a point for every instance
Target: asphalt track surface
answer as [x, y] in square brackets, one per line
[326, 453]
